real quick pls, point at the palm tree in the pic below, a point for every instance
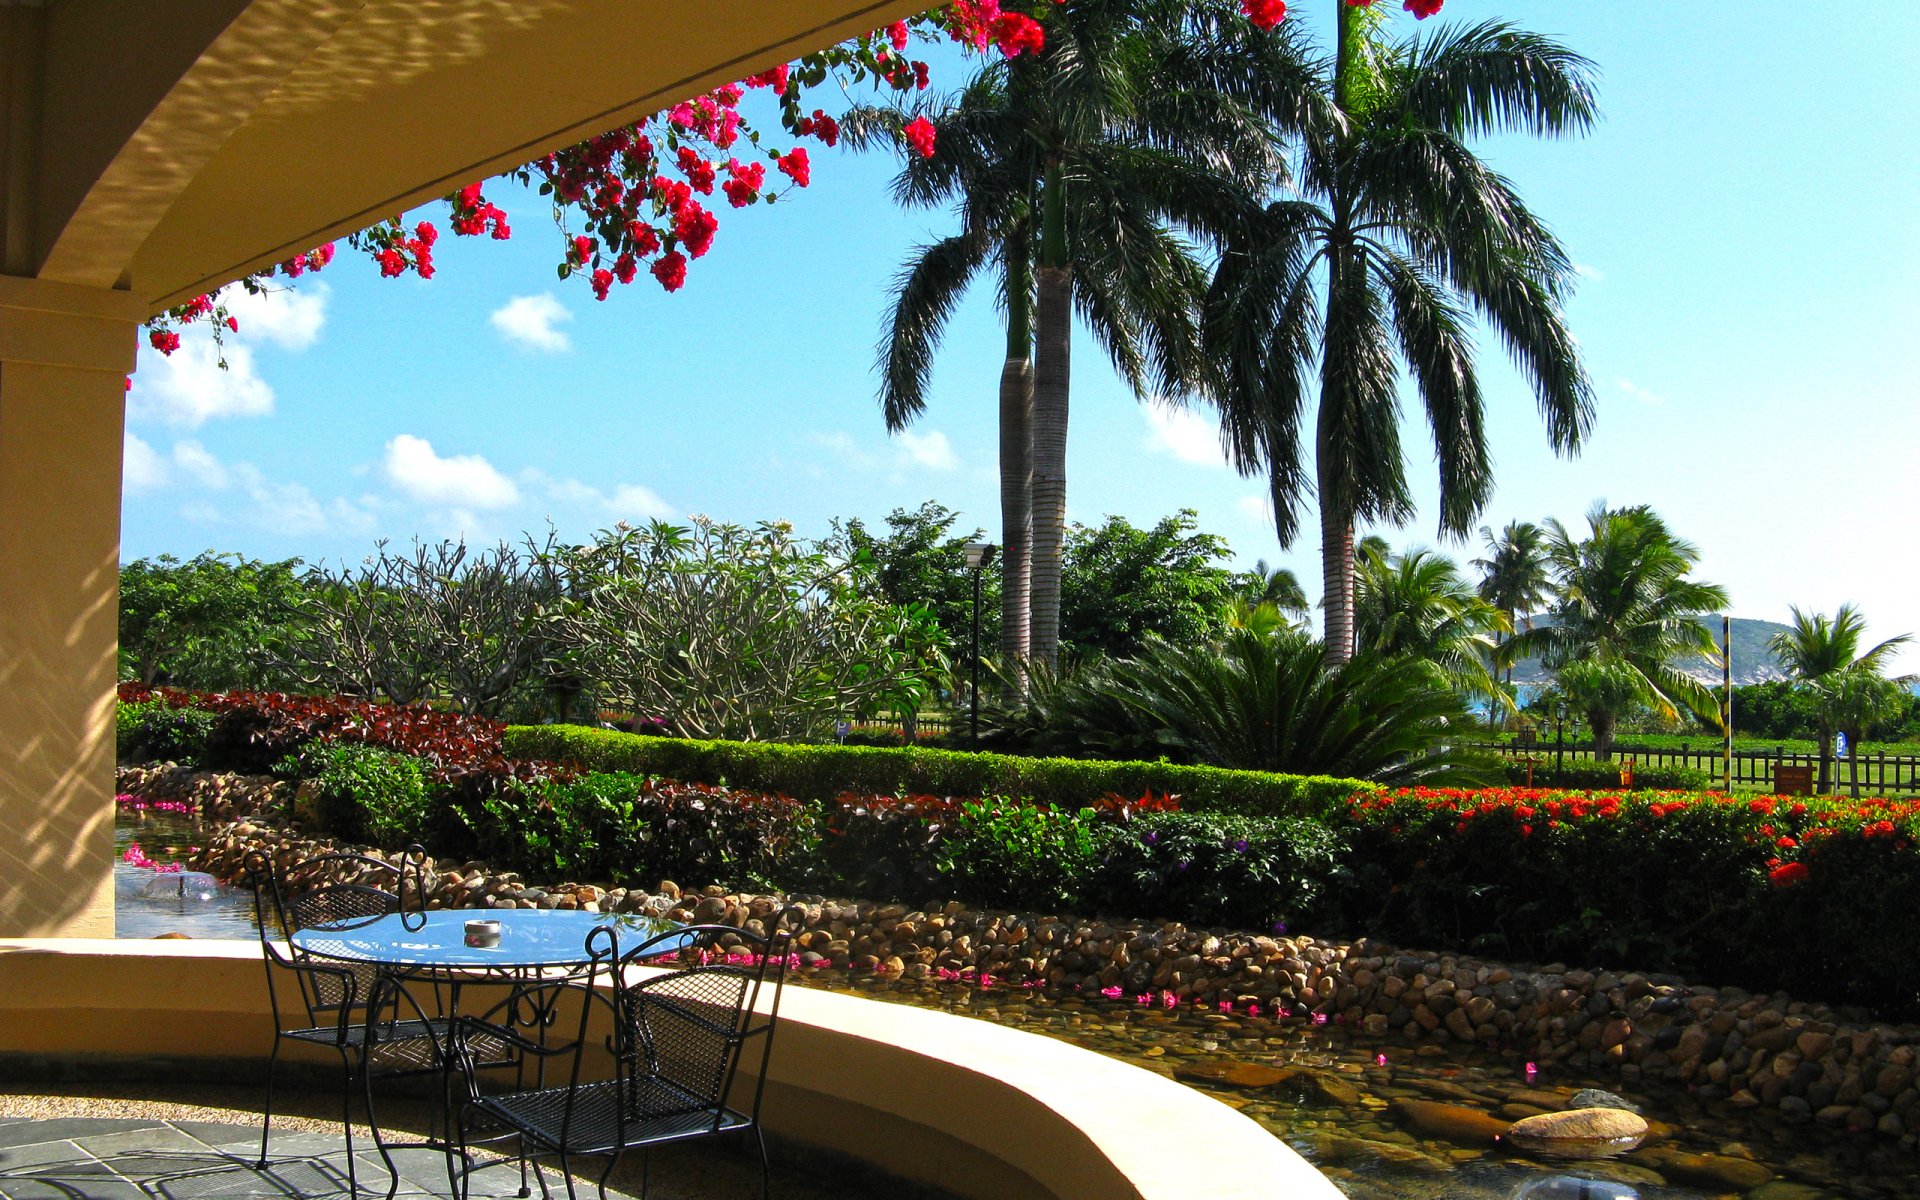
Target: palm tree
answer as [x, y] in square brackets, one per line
[1078, 171]
[1627, 615]
[1277, 586]
[1513, 575]
[1417, 606]
[1816, 650]
[1398, 236]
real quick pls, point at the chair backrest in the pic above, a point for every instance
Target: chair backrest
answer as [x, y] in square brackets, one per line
[683, 1029]
[340, 890]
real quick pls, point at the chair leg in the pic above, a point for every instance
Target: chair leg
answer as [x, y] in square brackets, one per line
[380, 1143]
[566, 1175]
[346, 1120]
[266, 1118]
[613, 1160]
[766, 1172]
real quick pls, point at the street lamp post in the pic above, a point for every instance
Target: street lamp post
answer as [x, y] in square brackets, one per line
[979, 554]
[1560, 735]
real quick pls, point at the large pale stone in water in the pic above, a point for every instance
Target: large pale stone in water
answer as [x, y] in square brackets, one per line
[1580, 1133]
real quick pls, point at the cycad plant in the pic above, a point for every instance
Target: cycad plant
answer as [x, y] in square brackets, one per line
[1629, 614]
[1272, 700]
[1396, 238]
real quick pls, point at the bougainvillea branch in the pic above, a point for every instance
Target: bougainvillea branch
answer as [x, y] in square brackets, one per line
[638, 196]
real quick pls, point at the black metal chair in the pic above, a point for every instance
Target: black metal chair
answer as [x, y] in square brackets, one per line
[686, 1008]
[377, 1027]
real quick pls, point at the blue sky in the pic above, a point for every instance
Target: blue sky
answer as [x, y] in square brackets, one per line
[1743, 219]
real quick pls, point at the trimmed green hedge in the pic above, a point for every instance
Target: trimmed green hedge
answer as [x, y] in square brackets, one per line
[824, 772]
[1585, 773]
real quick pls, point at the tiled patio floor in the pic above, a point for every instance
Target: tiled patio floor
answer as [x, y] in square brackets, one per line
[93, 1158]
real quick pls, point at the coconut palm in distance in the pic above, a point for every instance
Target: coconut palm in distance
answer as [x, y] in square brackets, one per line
[1396, 238]
[1513, 575]
[1627, 615]
[1079, 172]
[1417, 606]
[1819, 651]
[1277, 586]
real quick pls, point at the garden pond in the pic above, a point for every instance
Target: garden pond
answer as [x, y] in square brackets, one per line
[1384, 1119]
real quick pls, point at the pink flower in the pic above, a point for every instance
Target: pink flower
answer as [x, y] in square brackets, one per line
[1017, 32]
[794, 165]
[695, 227]
[671, 270]
[1264, 14]
[166, 342]
[1422, 9]
[897, 33]
[919, 134]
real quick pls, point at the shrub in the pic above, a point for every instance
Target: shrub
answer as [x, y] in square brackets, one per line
[1606, 776]
[1018, 855]
[824, 772]
[156, 731]
[1216, 868]
[365, 794]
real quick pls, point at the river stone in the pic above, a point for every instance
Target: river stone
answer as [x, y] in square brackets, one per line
[1595, 1098]
[1781, 1189]
[1705, 1170]
[1581, 1133]
[1451, 1122]
[1239, 1074]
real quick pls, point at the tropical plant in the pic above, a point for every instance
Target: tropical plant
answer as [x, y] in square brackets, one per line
[1398, 236]
[1415, 605]
[1275, 701]
[212, 622]
[1820, 651]
[1277, 586]
[1514, 576]
[725, 631]
[1122, 584]
[1628, 614]
[440, 622]
[1073, 171]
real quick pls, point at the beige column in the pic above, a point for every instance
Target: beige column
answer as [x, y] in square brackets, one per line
[65, 352]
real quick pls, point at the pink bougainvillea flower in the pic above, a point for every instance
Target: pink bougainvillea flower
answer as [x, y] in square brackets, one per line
[1264, 14]
[919, 134]
[671, 270]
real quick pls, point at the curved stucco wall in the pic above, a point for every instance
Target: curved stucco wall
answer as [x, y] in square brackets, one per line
[969, 1106]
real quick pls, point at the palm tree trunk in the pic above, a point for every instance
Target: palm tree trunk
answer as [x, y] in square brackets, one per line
[1052, 371]
[1336, 568]
[1826, 752]
[1602, 723]
[1016, 465]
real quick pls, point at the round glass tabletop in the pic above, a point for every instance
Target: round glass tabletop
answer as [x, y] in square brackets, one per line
[528, 938]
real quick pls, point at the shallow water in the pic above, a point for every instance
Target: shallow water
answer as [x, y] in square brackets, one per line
[1336, 1109]
[144, 905]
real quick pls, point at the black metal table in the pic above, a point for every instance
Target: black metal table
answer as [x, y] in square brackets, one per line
[431, 947]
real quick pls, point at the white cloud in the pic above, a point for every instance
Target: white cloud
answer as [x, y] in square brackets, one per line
[1587, 271]
[1639, 393]
[288, 317]
[200, 466]
[1259, 508]
[261, 501]
[530, 320]
[930, 450]
[188, 388]
[142, 468]
[1189, 435]
[463, 481]
[627, 501]
[638, 500]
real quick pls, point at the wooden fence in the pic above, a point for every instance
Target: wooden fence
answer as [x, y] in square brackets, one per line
[1880, 773]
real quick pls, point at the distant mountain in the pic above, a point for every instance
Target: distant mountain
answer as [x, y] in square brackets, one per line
[1752, 663]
